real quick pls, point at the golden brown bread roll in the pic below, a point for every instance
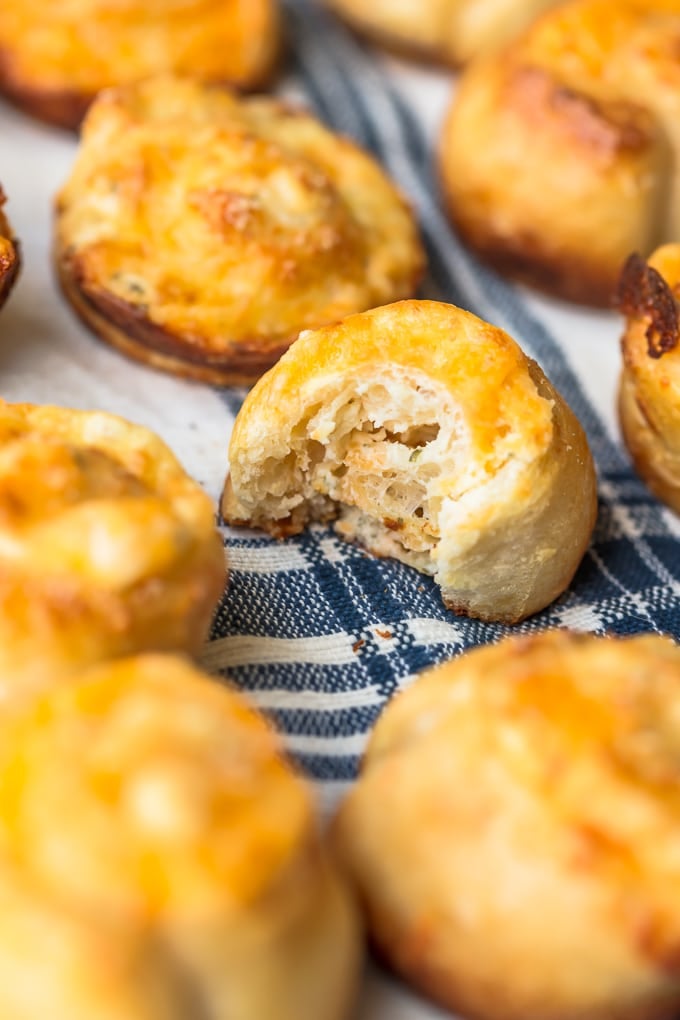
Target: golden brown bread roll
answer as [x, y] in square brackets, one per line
[514, 831]
[107, 547]
[56, 56]
[200, 233]
[427, 435]
[9, 254]
[448, 31]
[154, 808]
[559, 155]
[649, 392]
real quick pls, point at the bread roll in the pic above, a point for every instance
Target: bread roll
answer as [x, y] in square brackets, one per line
[559, 155]
[200, 233]
[107, 547]
[446, 31]
[427, 435]
[56, 56]
[649, 393]
[9, 254]
[514, 830]
[154, 808]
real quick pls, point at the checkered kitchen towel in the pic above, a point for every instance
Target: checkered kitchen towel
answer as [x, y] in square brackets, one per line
[323, 634]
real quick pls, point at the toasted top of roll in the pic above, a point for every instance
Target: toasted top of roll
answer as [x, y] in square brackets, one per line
[432, 438]
[9, 253]
[155, 805]
[529, 794]
[54, 58]
[228, 225]
[452, 31]
[593, 88]
[106, 545]
[649, 401]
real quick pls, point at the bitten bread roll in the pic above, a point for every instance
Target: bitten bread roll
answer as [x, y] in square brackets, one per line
[155, 807]
[649, 393]
[445, 31]
[200, 233]
[9, 254]
[56, 56]
[427, 435]
[559, 155]
[107, 547]
[514, 831]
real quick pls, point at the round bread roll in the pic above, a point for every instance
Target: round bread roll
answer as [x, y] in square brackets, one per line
[200, 232]
[427, 435]
[649, 393]
[559, 155]
[56, 56]
[445, 31]
[107, 547]
[155, 805]
[9, 254]
[514, 831]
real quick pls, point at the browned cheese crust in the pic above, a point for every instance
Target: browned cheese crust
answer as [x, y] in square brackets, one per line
[649, 392]
[200, 233]
[10, 259]
[449, 32]
[559, 153]
[55, 58]
[107, 547]
[188, 880]
[427, 435]
[513, 832]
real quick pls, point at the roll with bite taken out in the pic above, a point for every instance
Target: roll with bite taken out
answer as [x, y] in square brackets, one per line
[427, 435]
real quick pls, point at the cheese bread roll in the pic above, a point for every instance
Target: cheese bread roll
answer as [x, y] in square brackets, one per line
[560, 154]
[514, 831]
[107, 547]
[426, 434]
[155, 806]
[200, 232]
[56, 56]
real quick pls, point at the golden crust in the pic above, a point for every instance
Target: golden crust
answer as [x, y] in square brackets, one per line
[188, 835]
[446, 31]
[560, 153]
[107, 547]
[430, 437]
[208, 258]
[649, 393]
[513, 834]
[55, 58]
[9, 254]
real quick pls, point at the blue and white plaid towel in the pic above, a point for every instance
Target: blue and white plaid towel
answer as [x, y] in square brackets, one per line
[323, 634]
